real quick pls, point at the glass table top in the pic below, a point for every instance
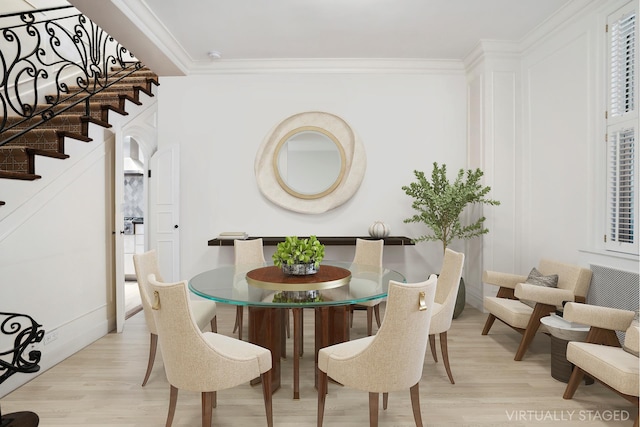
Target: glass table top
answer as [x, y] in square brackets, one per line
[228, 284]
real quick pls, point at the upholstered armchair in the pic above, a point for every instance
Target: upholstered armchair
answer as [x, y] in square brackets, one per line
[445, 301]
[369, 253]
[388, 361]
[205, 362]
[204, 311]
[521, 302]
[601, 356]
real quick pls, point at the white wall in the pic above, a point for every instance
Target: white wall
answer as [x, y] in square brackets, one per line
[405, 120]
[54, 254]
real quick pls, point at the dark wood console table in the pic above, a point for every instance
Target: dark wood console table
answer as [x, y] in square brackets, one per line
[329, 241]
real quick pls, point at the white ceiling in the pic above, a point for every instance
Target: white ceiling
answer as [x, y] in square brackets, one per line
[174, 37]
[296, 29]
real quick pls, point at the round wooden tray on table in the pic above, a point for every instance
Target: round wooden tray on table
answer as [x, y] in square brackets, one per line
[272, 278]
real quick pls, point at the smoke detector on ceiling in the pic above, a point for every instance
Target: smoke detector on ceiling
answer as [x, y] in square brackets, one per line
[214, 54]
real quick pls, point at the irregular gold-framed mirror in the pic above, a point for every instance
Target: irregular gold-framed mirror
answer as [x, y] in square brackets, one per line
[310, 162]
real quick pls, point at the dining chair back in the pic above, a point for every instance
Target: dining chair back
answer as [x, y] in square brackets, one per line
[246, 252]
[444, 304]
[199, 361]
[204, 311]
[392, 359]
[369, 253]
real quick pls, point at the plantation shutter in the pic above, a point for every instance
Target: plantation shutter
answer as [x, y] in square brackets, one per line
[622, 129]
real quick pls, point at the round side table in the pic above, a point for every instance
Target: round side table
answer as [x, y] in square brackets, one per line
[562, 332]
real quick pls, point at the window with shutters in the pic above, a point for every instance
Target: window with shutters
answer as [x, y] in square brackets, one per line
[622, 131]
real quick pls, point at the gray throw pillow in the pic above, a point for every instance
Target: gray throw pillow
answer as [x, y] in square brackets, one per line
[538, 279]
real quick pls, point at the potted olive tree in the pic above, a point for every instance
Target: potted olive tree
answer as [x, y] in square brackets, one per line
[439, 204]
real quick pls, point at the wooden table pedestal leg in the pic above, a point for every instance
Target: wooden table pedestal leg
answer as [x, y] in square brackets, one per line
[331, 327]
[265, 330]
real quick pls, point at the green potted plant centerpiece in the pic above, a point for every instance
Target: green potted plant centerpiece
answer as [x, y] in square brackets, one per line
[439, 204]
[299, 256]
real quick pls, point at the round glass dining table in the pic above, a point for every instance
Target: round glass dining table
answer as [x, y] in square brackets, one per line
[268, 299]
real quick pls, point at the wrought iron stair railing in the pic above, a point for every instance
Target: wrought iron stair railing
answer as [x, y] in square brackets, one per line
[53, 60]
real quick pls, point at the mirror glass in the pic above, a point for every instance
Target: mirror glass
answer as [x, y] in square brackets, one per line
[309, 162]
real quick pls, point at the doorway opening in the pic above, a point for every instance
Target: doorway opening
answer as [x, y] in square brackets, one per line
[133, 210]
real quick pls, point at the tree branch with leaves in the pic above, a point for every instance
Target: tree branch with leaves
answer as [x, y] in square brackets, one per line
[439, 204]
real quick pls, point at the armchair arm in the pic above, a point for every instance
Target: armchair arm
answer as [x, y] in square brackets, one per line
[504, 280]
[543, 294]
[601, 317]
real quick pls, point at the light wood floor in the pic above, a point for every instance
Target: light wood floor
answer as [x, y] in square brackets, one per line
[100, 386]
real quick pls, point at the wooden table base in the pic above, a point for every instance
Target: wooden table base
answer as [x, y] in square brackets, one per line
[266, 330]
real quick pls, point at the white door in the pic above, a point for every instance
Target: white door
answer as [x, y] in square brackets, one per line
[164, 224]
[118, 241]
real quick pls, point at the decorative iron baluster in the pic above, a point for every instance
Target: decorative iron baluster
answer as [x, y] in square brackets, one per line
[54, 48]
[27, 332]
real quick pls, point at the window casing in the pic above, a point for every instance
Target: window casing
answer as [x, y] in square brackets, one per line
[622, 131]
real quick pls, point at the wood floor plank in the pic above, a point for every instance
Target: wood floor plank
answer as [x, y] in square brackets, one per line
[100, 386]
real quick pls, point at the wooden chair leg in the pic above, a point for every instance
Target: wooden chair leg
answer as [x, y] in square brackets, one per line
[266, 391]
[214, 324]
[539, 311]
[322, 394]
[385, 401]
[376, 311]
[445, 355]
[432, 345]
[153, 346]
[351, 316]
[373, 409]
[574, 381]
[207, 406]
[369, 321]
[488, 324]
[239, 319]
[415, 404]
[173, 399]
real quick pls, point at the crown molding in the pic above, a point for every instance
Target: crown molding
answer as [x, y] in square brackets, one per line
[342, 66]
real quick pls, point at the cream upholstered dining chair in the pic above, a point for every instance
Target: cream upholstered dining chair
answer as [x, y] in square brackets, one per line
[601, 356]
[389, 361]
[204, 311]
[205, 362]
[246, 252]
[369, 253]
[445, 301]
[522, 301]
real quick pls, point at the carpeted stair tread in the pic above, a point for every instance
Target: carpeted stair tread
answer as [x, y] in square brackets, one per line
[48, 138]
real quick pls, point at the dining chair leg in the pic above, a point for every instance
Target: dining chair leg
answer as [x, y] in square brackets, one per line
[369, 321]
[415, 404]
[173, 399]
[239, 317]
[374, 399]
[214, 324]
[376, 311]
[266, 392]
[385, 401]
[432, 346]
[322, 394]
[207, 406]
[445, 355]
[153, 346]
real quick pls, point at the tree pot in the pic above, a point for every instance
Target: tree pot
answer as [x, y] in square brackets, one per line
[460, 300]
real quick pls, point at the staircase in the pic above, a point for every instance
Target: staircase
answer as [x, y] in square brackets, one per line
[17, 157]
[42, 127]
